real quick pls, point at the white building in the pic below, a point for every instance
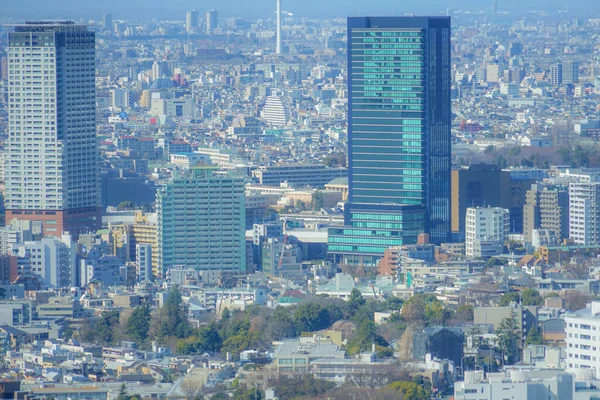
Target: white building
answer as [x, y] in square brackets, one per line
[52, 164]
[519, 384]
[485, 231]
[53, 261]
[143, 261]
[276, 112]
[582, 340]
[584, 216]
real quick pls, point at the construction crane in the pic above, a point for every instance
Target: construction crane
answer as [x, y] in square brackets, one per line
[280, 263]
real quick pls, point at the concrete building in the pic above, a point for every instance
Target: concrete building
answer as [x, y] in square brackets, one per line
[570, 72]
[481, 185]
[584, 214]
[276, 111]
[556, 74]
[547, 208]
[296, 356]
[53, 261]
[201, 222]
[273, 251]
[52, 164]
[15, 312]
[524, 384]
[297, 175]
[582, 338]
[143, 261]
[486, 229]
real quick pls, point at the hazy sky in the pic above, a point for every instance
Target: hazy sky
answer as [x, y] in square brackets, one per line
[175, 9]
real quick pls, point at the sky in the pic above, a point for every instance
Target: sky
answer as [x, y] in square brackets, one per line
[175, 9]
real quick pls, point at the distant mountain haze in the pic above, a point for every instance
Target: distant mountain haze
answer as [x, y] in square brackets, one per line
[175, 9]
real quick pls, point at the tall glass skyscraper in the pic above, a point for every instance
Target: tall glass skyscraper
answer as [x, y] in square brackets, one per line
[399, 120]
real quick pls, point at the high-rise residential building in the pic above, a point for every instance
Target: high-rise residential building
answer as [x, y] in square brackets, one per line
[201, 223]
[52, 163]
[584, 212]
[547, 207]
[556, 74]
[486, 230]
[480, 185]
[276, 111]
[191, 21]
[570, 72]
[107, 22]
[212, 21]
[398, 136]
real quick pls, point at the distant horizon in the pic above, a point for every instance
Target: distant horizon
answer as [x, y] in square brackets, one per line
[138, 9]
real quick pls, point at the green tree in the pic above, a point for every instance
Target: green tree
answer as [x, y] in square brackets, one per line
[464, 313]
[310, 317]
[281, 324]
[171, 319]
[531, 297]
[424, 309]
[407, 390]
[317, 200]
[300, 386]
[355, 302]
[138, 323]
[509, 339]
[534, 336]
[509, 297]
[125, 205]
[366, 335]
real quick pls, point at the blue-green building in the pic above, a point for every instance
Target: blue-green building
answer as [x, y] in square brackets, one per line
[399, 119]
[201, 223]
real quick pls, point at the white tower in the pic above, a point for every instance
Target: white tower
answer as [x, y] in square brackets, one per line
[278, 48]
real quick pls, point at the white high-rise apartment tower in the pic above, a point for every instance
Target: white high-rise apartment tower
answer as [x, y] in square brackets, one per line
[52, 158]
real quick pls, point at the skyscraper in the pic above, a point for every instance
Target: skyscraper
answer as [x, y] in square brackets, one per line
[556, 74]
[52, 162]
[398, 136]
[212, 20]
[191, 21]
[570, 72]
[107, 22]
[201, 223]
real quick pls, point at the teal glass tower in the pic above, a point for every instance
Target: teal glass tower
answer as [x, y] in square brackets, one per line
[399, 120]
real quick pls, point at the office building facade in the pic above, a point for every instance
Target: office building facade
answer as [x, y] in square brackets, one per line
[398, 136]
[52, 162]
[201, 223]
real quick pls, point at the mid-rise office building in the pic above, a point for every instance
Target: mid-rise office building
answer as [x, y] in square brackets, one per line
[486, 230]
[547, 208]
[398, 136]
[52, 163]
[201, 223]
